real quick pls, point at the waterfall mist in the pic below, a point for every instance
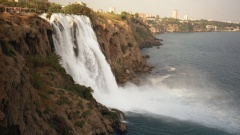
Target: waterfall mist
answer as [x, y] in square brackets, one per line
[76, 43]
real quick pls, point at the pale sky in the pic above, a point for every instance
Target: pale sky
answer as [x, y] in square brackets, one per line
[221, 10]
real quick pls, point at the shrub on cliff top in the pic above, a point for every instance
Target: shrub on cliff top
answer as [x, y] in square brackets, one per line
[55, 8]
[110, 16]
[79, 10]
[124, 15]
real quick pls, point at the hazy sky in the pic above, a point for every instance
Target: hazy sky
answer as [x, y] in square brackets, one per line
[223, 10]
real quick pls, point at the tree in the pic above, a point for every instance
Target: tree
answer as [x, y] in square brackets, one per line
[73, 9]
[8, 3]
[136, 15]
[78, 9]
[55, 8]
[124, 15]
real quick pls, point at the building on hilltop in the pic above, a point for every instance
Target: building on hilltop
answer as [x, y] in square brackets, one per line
[81, 3]
[142, 15]
[175, 14]
[112, 9]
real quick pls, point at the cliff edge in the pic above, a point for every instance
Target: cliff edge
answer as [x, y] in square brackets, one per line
[120, 41]
[36, 94]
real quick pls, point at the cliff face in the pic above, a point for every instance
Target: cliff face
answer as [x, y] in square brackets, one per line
[36, 94]
[18, 98]
[142, 33]
[120, 42]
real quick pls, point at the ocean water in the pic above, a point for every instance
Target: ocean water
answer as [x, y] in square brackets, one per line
[198, 75]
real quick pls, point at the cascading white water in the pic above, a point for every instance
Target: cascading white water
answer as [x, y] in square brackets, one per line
[76, 43]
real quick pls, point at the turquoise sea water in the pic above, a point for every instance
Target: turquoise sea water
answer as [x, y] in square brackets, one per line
[205, 69]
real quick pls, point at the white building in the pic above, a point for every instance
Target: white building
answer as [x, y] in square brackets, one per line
[175, 14]
[142, 15]
[185, 17]
[112, 9]
[211, 27]
[81, 3]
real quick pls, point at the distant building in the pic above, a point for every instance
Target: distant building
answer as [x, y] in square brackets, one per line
[211, 27]
[112, 9]
[175, 14]
[142, 15]
[185, 17]
[210, 20]
[151, 18]
[81, 3]
[191, 19]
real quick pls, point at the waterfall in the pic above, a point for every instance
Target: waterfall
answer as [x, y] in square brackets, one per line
[76, 43]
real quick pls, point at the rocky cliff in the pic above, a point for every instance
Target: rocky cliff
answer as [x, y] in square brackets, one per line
[36, 94]
[120, 41]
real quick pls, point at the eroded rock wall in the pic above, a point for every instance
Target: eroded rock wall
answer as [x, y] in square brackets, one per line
[120, 47]
[36, 94]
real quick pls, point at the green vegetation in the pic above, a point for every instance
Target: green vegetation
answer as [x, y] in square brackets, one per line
[60, 92]
[39, 112]
[86, 114]
[170, 21]
[81, 91]
[120, 17]
[43, 95]
[186, 27]
[110, 16]
[36, 81]
[90, 105]
[63, 100]
[80, 104]
[35, 5]
[124, 15]
[136, 15]
[203, 23]
[78, 9]
[55, 8]
[79, 123]
[47, 110]
[9, 23]
[51, 92]
[141, 34]
[48, 61]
